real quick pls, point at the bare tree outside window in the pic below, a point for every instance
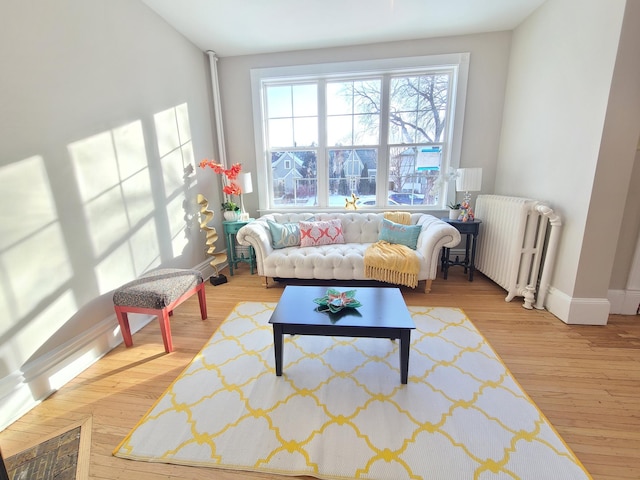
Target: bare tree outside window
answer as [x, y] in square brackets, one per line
[418, 107]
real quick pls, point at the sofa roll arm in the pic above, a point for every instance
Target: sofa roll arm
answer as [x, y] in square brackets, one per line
[257, 235]
[435, 235]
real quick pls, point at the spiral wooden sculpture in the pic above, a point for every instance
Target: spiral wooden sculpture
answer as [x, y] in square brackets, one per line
[206, 216]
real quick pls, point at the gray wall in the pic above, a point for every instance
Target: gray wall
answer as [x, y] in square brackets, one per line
[569, 136]
[102, 108]
[629, 232]
[626, 93]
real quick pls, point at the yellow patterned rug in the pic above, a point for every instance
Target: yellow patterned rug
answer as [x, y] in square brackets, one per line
[340, 411]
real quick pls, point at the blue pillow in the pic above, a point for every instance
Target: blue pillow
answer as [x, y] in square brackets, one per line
[284, 234]
[397, 233]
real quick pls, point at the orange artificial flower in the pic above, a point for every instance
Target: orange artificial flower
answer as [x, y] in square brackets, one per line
[217, 167]
[232, 189]
[231, 174]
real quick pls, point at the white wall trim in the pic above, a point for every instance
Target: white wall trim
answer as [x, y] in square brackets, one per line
[577, 311]
[616, 299]
[15, 399]
[42, 376]
[624, 302]
[39, 377]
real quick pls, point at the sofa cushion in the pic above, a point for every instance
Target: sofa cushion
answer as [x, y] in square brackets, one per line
[324, 232]
[284, 234]
[397, 233]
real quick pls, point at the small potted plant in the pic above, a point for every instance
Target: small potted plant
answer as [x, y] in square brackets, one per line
[454, 210]
[230, 210]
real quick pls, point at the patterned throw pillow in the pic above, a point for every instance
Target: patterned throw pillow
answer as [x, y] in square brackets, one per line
[397, 233]
[284, 234]
[321, 233]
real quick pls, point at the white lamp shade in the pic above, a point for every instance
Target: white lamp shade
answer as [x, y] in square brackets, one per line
[244, 182]
[469, 179]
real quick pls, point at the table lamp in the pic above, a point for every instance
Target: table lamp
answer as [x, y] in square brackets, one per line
[246, 186]
[468, 180]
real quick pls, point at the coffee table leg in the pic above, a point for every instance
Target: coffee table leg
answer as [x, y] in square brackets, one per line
[405, 342]
[277, 348]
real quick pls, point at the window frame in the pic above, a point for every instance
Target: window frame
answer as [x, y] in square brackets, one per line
[322, 73]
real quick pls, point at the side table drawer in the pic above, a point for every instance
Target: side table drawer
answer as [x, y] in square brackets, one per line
[466, 228]
[233, 227]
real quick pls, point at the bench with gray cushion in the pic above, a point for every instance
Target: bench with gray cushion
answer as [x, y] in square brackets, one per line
[158, 293]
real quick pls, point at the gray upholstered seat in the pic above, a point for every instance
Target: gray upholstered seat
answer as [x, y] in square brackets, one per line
[157, 289]
[158, 293]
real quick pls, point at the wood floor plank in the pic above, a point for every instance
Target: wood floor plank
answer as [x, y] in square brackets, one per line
[584, 379]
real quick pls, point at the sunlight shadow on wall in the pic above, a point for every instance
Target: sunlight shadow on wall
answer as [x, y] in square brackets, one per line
[177, 160]
[32, 248]
[115, 188]
[108, 213]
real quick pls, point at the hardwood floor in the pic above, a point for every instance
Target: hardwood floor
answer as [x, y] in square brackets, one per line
[585, 379]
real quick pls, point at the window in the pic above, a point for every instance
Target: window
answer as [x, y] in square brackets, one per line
[386, 131]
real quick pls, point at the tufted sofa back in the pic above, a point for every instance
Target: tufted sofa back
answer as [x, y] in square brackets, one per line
[358, 227]
[341, 261]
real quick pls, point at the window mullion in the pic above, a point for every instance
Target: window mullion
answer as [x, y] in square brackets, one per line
[382, 183]
[448, 193]
[322, 160]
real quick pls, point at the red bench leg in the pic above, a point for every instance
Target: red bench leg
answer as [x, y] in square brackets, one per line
[123, 320]
[203, 301]
[165, 328]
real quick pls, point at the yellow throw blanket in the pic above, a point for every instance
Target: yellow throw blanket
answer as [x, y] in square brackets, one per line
[403, 218]
[390, 262]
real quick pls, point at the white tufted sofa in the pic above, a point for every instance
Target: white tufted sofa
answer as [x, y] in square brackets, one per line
[341, 261]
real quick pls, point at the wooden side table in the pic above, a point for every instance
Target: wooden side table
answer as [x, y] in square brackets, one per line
[470, 229]
[231, 228]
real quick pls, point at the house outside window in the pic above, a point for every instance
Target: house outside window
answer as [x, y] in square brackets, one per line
[387, 131]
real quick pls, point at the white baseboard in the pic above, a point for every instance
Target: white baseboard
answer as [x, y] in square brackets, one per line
[15, 400]
[42, 376]
[22, 390]
[577, 311]
[624, 302]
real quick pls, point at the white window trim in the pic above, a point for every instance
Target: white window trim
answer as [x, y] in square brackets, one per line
[299, 72]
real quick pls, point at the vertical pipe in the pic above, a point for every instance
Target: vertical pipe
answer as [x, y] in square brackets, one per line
[550, 255]
[217, 107]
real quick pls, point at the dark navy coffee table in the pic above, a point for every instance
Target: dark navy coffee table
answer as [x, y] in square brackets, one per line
[383, 314]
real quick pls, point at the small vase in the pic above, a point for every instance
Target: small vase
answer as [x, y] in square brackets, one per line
[230, 215]
[454, 214]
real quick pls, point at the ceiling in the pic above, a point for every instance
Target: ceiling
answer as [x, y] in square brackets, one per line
[245, 27]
